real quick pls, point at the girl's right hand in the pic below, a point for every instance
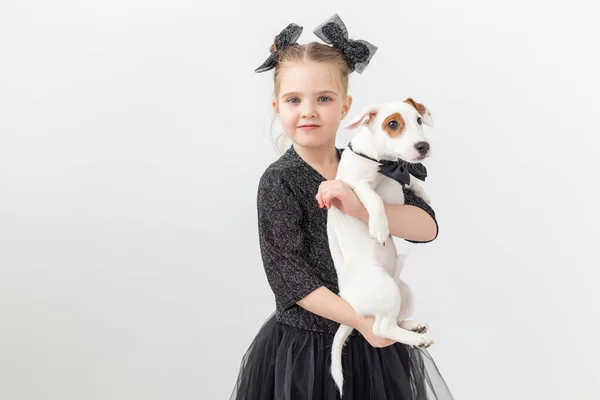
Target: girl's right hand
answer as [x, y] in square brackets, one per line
[365, 327]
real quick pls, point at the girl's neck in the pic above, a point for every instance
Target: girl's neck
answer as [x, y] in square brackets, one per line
[324, 155]
[324, 159]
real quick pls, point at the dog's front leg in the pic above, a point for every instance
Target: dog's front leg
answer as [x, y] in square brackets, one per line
[417, 189]
[378, 223]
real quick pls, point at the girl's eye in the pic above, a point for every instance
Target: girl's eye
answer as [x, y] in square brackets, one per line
[326, 98]
[293, 100]
[393, 125]
[419, 120]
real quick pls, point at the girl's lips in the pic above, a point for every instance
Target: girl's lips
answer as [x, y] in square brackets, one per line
[307, 127]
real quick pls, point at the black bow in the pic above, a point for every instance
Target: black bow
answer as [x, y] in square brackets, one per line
[287, 37]
[399, 170]
[358, 53]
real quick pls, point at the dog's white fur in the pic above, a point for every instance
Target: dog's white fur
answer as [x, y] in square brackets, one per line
[365, 257]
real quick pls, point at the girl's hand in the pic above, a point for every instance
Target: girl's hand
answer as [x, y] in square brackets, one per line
[365, 327]
[340, 195]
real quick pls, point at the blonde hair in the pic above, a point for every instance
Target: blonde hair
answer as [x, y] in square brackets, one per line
[310, 52]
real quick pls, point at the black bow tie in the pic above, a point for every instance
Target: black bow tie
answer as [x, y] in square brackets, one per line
[399, 170]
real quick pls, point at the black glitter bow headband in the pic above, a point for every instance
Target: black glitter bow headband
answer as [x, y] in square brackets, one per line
[287, 37]
[358, 53]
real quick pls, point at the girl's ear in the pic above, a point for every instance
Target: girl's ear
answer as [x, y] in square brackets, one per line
[275, 105]
[346, 106]
[363, 118]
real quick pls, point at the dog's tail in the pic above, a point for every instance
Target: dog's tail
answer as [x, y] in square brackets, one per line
[336, 355]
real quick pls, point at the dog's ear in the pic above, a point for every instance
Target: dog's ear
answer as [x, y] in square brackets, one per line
[425, 112]
[363, 118]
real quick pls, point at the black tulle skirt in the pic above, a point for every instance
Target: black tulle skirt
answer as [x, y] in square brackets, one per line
[287, 363]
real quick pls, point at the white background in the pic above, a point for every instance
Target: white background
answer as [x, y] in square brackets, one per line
[132, 138]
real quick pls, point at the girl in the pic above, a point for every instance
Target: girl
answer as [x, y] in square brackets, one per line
[290, 356]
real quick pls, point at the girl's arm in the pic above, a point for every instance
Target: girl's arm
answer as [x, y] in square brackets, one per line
[408, 222]
[327, 304]
[413, 221]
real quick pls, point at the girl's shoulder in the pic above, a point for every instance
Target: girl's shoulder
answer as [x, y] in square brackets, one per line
[277, 188]
[280, 171]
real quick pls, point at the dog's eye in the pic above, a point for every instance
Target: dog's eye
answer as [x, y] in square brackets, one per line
[419, 120]
[393, 125]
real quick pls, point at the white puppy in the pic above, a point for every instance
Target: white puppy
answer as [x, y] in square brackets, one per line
[369, 270]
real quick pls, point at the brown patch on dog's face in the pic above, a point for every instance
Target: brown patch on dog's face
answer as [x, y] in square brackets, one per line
[394, 125]
[420, 107]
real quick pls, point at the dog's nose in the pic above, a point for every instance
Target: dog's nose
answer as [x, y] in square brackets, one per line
[422, 147]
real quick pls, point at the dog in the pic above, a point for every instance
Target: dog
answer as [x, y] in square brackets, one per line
[365, 256]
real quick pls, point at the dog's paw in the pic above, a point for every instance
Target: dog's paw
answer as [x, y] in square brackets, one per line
[424, 196]
[378, 229]
[422, 342]
[414, 326]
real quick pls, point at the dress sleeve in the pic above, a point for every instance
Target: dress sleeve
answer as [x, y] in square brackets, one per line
[410, 198]
[282, 242]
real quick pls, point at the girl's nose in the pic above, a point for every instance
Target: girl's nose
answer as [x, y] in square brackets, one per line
[309, 110]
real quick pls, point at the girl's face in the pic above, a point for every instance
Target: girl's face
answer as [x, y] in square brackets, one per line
[310, 103]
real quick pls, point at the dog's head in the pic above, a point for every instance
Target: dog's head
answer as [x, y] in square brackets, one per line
[397, 129]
